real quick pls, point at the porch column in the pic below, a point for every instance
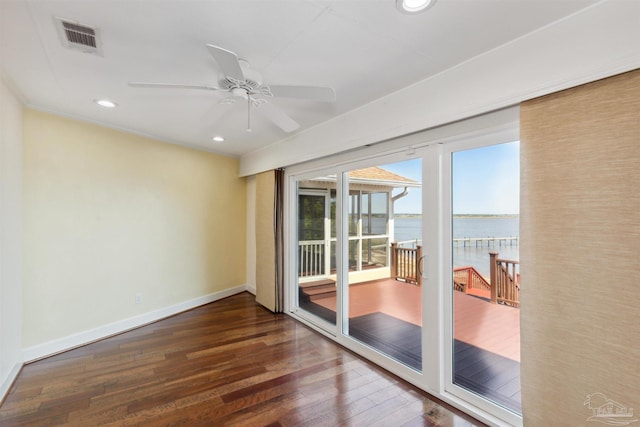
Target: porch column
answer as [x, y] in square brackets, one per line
[394, 260]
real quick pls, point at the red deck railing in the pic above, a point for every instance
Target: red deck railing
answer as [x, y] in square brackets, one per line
[468, 280]
[405, 264]
[503, 285]
[505, 279]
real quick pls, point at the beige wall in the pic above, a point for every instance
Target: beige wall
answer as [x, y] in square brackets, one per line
[10, 237]
[251, 234]
[580, 251]
[110, 214]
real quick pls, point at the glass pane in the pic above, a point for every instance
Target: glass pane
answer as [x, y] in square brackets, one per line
[379, 214]
[354, 213]
[332, 213]
[354, 255]
[374, 252]
[486, 274]
[385, 302]
[366, 213]
[311, 217]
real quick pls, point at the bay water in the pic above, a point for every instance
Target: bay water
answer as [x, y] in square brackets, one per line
[408, 229]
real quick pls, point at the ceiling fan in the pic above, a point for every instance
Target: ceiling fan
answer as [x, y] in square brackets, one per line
[241, 82]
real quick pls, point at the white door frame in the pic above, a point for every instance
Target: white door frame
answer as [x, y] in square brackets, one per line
[434, 147]
[449, 388]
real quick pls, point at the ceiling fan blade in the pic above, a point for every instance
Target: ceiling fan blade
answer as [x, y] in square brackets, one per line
[278, 117]
[312, 93]
[228, 62]
[172, 85]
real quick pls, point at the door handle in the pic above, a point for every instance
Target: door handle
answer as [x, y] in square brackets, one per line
[421, 270]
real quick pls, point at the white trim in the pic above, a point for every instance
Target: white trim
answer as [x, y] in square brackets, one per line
[432, 271]
[8, 381]
[251, 289]
[50, 348]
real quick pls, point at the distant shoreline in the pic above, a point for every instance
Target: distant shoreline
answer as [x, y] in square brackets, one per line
[405, 215]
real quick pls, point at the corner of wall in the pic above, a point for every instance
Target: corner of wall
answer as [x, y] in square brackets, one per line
[11, 237]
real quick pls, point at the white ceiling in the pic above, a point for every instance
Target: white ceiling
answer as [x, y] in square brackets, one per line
[364, 49]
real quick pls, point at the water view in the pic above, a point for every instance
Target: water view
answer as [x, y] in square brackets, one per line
[408, 228]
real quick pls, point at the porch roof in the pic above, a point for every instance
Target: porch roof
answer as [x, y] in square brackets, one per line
[376, 176]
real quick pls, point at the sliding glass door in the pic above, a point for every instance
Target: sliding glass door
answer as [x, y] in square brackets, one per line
[366, 259]
[485, 301]
[411, 259]
[485, 289]
[384, 283]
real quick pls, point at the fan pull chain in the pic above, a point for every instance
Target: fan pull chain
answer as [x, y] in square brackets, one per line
[248, 113]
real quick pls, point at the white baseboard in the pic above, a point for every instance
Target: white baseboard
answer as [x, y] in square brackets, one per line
[82, 338]
[8, 381]
[251, 289]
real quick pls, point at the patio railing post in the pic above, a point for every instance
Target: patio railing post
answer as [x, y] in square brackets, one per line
[494, 277]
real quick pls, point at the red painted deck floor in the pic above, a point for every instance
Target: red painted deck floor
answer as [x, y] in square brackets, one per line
[492, 327]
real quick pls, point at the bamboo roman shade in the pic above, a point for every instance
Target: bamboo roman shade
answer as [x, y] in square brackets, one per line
[265, 240]
[580, 251]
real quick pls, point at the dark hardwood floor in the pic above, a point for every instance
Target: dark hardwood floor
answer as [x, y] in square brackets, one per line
[227, 363]
[480, 371]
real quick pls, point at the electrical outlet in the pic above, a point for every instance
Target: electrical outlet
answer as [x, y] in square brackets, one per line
[138, 298]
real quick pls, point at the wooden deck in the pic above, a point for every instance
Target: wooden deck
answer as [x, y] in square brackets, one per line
[228, 363]
[492, 327]
[386, 314]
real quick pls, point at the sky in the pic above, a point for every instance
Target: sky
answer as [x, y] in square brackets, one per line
[485, 180]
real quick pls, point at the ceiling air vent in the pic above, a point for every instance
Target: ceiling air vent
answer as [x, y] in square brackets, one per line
[78, 36]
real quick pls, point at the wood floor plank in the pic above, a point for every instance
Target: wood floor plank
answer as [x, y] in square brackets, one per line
[229, 363]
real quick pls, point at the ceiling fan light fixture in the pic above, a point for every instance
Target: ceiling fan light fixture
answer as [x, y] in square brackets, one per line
[410, 7]
[239, 93]
[106, 103]
[218, 138]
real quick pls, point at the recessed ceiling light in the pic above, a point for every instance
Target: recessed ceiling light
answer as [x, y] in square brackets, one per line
[414, 6]
[218, 139]
[105, 103]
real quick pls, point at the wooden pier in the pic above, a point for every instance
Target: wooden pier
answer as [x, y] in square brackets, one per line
[486, 241]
